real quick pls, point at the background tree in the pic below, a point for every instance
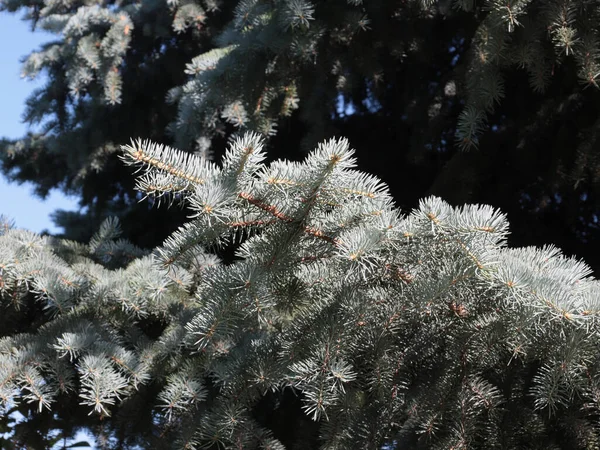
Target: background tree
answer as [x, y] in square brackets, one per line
[516, 80]
[108, 73]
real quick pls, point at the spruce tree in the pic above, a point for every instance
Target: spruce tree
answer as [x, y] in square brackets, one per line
[299, 308]
[517, 79]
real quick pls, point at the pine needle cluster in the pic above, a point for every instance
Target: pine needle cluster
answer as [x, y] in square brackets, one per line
[422, 330]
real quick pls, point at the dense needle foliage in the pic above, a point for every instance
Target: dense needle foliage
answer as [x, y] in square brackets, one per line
[300, 309]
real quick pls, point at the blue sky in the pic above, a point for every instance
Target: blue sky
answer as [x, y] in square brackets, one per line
[17, 201]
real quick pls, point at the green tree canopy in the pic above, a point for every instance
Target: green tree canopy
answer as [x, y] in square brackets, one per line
[513, 82]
